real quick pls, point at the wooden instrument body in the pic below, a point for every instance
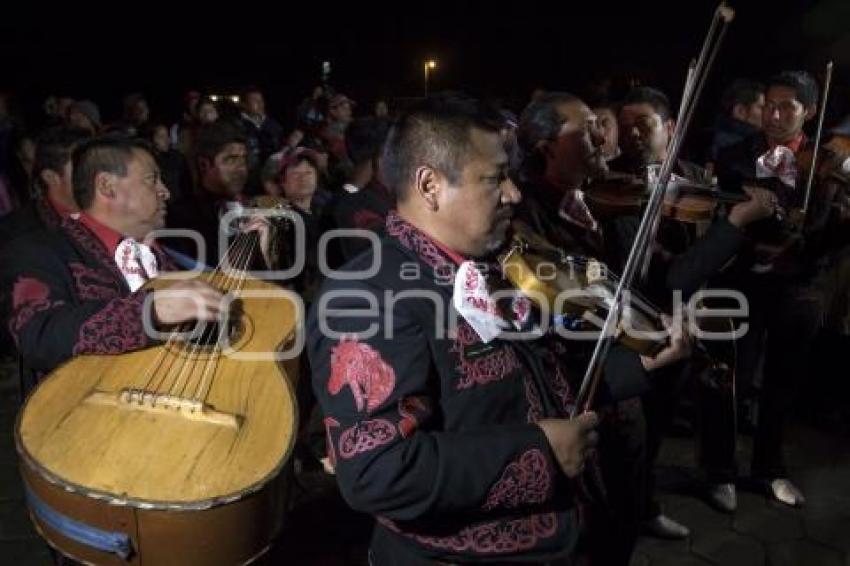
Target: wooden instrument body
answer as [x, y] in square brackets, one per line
[190, 481]
[565, 287]
[690, 203]
[234, 533]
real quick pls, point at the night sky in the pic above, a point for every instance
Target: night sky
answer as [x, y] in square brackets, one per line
[378, 49]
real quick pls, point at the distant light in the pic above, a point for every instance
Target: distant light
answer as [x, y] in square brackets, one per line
[214, 97]
[235, 99]
[432, 64]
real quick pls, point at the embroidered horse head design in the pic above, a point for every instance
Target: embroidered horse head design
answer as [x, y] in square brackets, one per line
[357, 365]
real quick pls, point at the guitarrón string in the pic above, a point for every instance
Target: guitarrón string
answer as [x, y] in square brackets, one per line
[210, 365]
[240, 251]
[173, 337]
[246, 247]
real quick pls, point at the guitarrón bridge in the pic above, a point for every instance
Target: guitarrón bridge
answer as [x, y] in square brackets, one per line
[134, 399]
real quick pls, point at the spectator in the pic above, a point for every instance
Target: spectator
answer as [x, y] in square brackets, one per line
[85, 115]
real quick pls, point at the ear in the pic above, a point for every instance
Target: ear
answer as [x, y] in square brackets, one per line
[428, 184]
[104, 185]
[670, 126]
[739, 112]
[49, 178]
[810, 112]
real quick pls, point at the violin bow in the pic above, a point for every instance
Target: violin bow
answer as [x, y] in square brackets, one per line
[642, 244]
[826, 83]
[697, 74]
[645, 250]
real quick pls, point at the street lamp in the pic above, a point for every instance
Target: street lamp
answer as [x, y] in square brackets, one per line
[430, 65]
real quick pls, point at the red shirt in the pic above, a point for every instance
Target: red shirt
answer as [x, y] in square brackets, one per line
[107, 236]
[453, 255]
[796, 144]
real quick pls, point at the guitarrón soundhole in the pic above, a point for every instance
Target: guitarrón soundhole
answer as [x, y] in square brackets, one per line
[210, 335]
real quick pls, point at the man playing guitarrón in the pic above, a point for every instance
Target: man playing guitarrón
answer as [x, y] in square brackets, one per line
[79, 290]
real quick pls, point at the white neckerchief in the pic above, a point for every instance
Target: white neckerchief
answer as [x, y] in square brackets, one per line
[779, 162]
[473, 302]
[136, 261]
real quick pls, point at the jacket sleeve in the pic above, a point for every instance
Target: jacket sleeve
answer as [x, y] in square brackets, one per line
[50, 324]
[380, 398]
[625, 376]
[704, 259]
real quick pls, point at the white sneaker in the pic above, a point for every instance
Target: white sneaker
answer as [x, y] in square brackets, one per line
[786, 492]
[724, 497]
[662, 526]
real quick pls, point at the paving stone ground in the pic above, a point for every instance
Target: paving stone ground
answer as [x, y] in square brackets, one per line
[323, 531]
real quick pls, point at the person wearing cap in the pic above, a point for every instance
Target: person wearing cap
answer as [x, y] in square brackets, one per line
[293, 175]
[85, 115]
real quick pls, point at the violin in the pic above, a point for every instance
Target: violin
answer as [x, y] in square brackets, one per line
[621, 194]
[830, 162]
[578, 292]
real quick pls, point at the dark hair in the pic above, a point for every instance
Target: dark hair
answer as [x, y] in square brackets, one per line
[604, 104]
[104, 154]
[435, 132]
[804, 85]
[652, 96]
[130, 101]
[53, 150]
[250, 89]
[205, 100]
[741, 91]
[364, 139]
[148, 130]
[213, 138]
[540, 122]
[295, 161]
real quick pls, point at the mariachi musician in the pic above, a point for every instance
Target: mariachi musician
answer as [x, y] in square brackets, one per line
[562, 145]
[78, 290]
[459, 442]
[790, 293]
